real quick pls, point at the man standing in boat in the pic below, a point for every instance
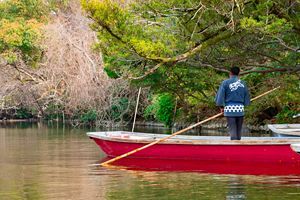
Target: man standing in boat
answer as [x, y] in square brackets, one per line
[232, 96]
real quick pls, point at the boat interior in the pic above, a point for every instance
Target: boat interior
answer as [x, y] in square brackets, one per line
[125, 136]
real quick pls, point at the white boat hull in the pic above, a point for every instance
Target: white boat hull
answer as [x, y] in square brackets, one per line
[285, 129]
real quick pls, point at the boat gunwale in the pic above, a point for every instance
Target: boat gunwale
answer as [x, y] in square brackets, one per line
[202, 140]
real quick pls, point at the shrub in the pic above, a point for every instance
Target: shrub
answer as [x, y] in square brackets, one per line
[162, 109]
[23, 113]
[89, 117]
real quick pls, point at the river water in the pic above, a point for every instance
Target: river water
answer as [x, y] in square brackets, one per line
[38, 161]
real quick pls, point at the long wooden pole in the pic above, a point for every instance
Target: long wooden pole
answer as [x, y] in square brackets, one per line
[136, 108]
[176, 133]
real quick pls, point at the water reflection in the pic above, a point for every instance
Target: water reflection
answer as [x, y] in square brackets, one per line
[236, 189]
[41, 161]
[132, 184]
[213, 167]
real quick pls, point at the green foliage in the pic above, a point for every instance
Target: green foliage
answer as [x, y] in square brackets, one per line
[286, 114]
[119, 109]
[23, 113]
[110, 73]
[20, 30]
[162, 109]
[149, 112]
[53, 112]
[89, 117]
[267, 24]
[286, 100]
[183, 48]
[27, 9]
[192, 87]
[165, 109]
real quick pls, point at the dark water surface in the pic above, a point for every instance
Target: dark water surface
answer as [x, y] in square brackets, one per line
[38, 161]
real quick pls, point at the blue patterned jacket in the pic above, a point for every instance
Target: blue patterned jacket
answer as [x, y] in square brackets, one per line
[233, 94]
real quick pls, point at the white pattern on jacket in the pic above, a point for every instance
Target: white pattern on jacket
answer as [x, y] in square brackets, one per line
[234, 86]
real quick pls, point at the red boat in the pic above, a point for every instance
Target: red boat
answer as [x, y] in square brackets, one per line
[206, 148]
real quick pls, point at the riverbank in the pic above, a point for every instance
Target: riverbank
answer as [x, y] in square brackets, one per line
[220, 124]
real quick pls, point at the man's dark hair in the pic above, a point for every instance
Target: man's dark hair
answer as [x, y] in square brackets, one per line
[235, 70]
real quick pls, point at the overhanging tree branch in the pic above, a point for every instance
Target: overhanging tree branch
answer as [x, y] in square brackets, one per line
[291, 69]
[217, 37]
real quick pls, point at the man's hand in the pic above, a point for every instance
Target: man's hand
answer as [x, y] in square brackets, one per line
[222, 109]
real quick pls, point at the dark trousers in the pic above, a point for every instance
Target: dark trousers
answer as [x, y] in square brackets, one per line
[235, 127]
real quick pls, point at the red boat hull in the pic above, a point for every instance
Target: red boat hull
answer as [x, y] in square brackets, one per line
[279, 153]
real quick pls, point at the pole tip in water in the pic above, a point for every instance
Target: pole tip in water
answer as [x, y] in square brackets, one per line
[104, 164]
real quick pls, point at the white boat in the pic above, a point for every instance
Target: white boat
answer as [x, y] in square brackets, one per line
[285, 129]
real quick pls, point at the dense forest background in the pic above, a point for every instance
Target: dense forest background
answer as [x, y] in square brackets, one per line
[85, 61]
